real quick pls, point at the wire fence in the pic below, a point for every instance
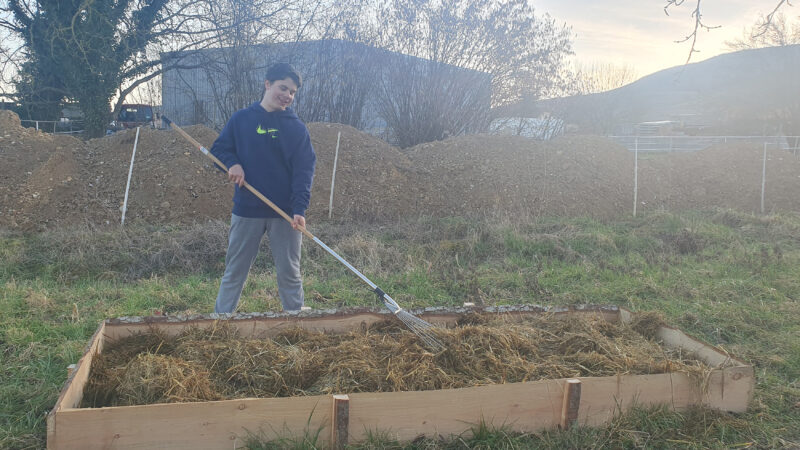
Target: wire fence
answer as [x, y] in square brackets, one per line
[55, 126]
[686, 182]
[695, 143]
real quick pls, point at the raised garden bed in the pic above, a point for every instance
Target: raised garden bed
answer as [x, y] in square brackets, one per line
[691, 373]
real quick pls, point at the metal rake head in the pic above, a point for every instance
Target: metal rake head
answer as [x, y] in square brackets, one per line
[422, 329]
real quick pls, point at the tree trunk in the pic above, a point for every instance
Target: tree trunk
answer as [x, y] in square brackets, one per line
[96, 115]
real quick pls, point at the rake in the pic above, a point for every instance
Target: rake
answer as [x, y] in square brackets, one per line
[423, 329]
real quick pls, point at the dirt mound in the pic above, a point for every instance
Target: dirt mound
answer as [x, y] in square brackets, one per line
[41, 183]
[576, 175]
[374, 181]
[48, 180]
[727, 176]
[9, 121]
[171, 181]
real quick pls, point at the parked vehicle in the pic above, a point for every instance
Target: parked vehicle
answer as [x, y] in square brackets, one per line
[135, 115]
[132, 116]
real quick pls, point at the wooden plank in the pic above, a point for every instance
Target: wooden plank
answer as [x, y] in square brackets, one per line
[712, 356]
[675, 338]
[403, 415]
[247, 328]
[341, 421]
[223, 424]
[51, 430]
[625, 315]
[571, 404]
[72, 392]
[730, 389]
[603, 397]
[337, 321]
[407, 415]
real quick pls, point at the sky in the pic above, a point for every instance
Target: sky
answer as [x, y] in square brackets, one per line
[638, 34]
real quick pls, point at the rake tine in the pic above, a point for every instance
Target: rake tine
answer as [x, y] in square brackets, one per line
[418, 326]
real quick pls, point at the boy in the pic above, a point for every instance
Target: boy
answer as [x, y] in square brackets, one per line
[270, 147]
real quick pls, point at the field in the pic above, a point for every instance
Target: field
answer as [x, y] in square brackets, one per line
[727, 277]
[482, 219]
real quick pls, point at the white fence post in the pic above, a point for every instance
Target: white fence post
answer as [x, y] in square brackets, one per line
[130, 172]
[635, 175]
[333, 176]
[763, 177]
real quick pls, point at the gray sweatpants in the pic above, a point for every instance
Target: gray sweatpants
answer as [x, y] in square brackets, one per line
[243, 242]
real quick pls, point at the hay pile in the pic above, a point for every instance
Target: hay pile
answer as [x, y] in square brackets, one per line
[214, 364]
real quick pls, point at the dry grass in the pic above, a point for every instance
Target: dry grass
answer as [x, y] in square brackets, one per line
[214, 363]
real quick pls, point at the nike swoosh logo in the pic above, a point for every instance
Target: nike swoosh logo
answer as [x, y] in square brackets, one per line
[260, 130]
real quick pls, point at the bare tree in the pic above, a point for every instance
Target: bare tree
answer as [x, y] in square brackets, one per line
[776, 31]
[96, 51]
[699, 24]
[426, 69]
[601, 107]
[340, 83]
[10, 61]
[248, 36]
[464, 57]
[422, 100]
[601, 77]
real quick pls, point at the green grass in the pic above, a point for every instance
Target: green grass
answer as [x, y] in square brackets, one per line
[731, 279]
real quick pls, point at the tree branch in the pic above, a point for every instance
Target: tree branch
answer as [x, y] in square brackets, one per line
[769, 18]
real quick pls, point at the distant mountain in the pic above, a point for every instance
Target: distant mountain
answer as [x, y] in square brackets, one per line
[744, 92]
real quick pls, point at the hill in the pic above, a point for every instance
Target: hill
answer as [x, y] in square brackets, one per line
[753, 91]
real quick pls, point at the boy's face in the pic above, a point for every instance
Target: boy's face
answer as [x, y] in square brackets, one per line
[279, 94]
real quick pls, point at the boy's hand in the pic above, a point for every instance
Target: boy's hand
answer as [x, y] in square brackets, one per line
[236, 174]
[299, 221]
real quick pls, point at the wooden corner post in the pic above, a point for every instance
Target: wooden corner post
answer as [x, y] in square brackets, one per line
[571, 404]
[341, 421]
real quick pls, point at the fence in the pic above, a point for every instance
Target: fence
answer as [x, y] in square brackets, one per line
[55, 126]
[694, 171]
[695, 143]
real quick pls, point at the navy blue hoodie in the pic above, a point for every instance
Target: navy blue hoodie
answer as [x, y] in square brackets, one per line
[275, 151]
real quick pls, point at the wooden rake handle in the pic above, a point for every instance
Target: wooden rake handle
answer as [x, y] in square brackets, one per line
[247, 185]
[417, 325]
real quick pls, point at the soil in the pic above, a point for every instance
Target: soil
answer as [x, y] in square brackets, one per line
[374, 181]
[171, 181]
[48, 181]
[728, 176]
[41, 183]
[511, 174]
